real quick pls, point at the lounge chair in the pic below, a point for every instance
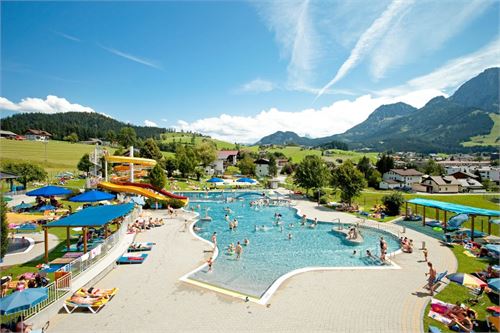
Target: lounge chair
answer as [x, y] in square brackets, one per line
[136, 259]
[143, 246]
[108, 293]
[70, 306]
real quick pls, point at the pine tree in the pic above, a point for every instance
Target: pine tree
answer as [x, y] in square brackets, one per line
[157, 177]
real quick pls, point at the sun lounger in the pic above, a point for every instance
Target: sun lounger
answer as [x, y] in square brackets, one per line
[71, 306]
[72, 255]
[135, 259]
[144, 246]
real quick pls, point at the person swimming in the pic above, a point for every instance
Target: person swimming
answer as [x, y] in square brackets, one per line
[289, 236]
[246, 242]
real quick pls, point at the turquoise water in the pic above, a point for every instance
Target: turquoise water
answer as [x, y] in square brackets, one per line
[270, 253]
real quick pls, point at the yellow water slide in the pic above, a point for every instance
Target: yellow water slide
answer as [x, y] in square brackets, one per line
[133, 189]
[135, 160]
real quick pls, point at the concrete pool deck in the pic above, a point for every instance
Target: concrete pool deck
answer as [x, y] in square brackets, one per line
[152, 299]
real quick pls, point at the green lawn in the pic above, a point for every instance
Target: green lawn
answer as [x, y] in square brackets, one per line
[61, 155]
[187, 138]
[491, 139]
[453, 292]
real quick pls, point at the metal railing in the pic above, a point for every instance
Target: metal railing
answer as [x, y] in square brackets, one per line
[62, 285]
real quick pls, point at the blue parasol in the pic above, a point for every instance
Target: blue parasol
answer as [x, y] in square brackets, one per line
[22, 300]
[92, 196]
[215, 180]
[48, 191]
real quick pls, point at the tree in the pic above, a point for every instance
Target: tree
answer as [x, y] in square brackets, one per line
[111, 136]
[28, 172]
[349, 180]
[393, 203]
[85, 164]
[374, 178]
[247, 165]
[365, 166]
[170, 165]
[4, 228]
[312, 172]
[385, 163]
[206, 153]
[127, 137]
[273, 167]
[431, 168]
[73, 138]
[157, 177]
[150, 150]
[186, 160]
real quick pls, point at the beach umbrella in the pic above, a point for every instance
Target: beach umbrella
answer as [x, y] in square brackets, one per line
[22, 205]
[22, 300]
[495, 248]
[46, 207]
[494, 284]
[92, 196]
[215, 180]
[138, 200]
[48, 191]
[246, 180]
[7, 199]
[497, 221]
[467, 280]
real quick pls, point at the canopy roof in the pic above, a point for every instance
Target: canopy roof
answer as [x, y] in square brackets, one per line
[92, 196]
[459, 209]
[48, 191]
[93, 216]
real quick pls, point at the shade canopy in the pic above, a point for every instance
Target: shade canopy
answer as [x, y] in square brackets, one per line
[7, 199]
[93, 216]
[497, 221]
[494, 284]
[22, 300]
[493, 248]
[467, 280]
[92, 196]
[48, 191]
[22, 205]
[246, 180]
[459, 209]
[215, 180]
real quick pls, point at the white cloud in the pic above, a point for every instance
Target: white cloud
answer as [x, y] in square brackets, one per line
[69, 37]
[452, 74]
[164, 120]
[325, 121]
[150, 123]
[51, 104]
[420, 31]
[369, 39]
[131, 57]
[256, 86]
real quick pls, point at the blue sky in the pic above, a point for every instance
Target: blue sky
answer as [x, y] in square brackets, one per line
[241, 70]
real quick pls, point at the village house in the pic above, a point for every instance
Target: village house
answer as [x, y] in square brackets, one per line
[37, 135]
[441, 184]
[224, 159]
[262, 167]
[400, 179]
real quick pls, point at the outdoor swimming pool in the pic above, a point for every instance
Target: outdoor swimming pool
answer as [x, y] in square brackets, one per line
[270, 253]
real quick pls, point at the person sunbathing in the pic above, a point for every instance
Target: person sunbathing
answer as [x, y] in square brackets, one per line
[461, 319]
[84, 299]
[94, 292]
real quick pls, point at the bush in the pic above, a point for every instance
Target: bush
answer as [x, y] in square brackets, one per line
[323, 200]
[393, 203]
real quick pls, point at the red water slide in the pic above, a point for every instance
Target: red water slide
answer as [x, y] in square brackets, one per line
[151, 187]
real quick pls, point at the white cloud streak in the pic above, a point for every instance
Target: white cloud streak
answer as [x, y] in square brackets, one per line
[369, 39]
[131, 57]
[256, 86]
[150, 123]
[329, 120]
[454, 73]
[69, 37]
[51, 104]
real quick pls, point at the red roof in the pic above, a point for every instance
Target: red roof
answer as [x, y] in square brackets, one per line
[223, 154]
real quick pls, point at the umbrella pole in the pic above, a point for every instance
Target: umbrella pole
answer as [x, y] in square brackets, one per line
[423, 219]
[472, 228]
[46, 244]
[489, 227]
[67, 239]
[85, 240]
[445, 220]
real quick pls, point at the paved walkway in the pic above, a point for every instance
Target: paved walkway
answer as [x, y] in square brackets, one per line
[152, 299]
[38, 249]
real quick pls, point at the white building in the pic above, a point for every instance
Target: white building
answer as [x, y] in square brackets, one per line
[491, 173]
[37, 135]
[262, 167]
[441, 184]
[400, 178]
[224, 159]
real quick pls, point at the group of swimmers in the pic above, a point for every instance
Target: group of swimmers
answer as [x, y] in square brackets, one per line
[238, 249]
[233, 224]
[353, 233]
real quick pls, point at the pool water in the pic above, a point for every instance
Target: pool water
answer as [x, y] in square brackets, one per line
[270, 253]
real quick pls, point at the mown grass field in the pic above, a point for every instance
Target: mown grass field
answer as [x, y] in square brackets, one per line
[491, 139]
[453, 292]
[187, 138]
[61, 155]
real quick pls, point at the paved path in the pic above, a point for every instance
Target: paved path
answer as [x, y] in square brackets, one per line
[152, 299]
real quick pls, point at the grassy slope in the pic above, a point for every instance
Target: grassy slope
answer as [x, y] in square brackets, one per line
[186, 138]
[456, 293]
[491, 139]
[61, 156]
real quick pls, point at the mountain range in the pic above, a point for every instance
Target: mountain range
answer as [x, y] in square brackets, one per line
[443, 124]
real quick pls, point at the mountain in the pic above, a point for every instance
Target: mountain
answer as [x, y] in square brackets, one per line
[285, 138]
[85, 124]
[443, 124]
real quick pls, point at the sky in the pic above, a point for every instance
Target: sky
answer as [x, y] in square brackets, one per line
[241, 70]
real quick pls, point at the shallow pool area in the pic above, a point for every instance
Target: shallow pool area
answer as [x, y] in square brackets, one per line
[274, 249]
